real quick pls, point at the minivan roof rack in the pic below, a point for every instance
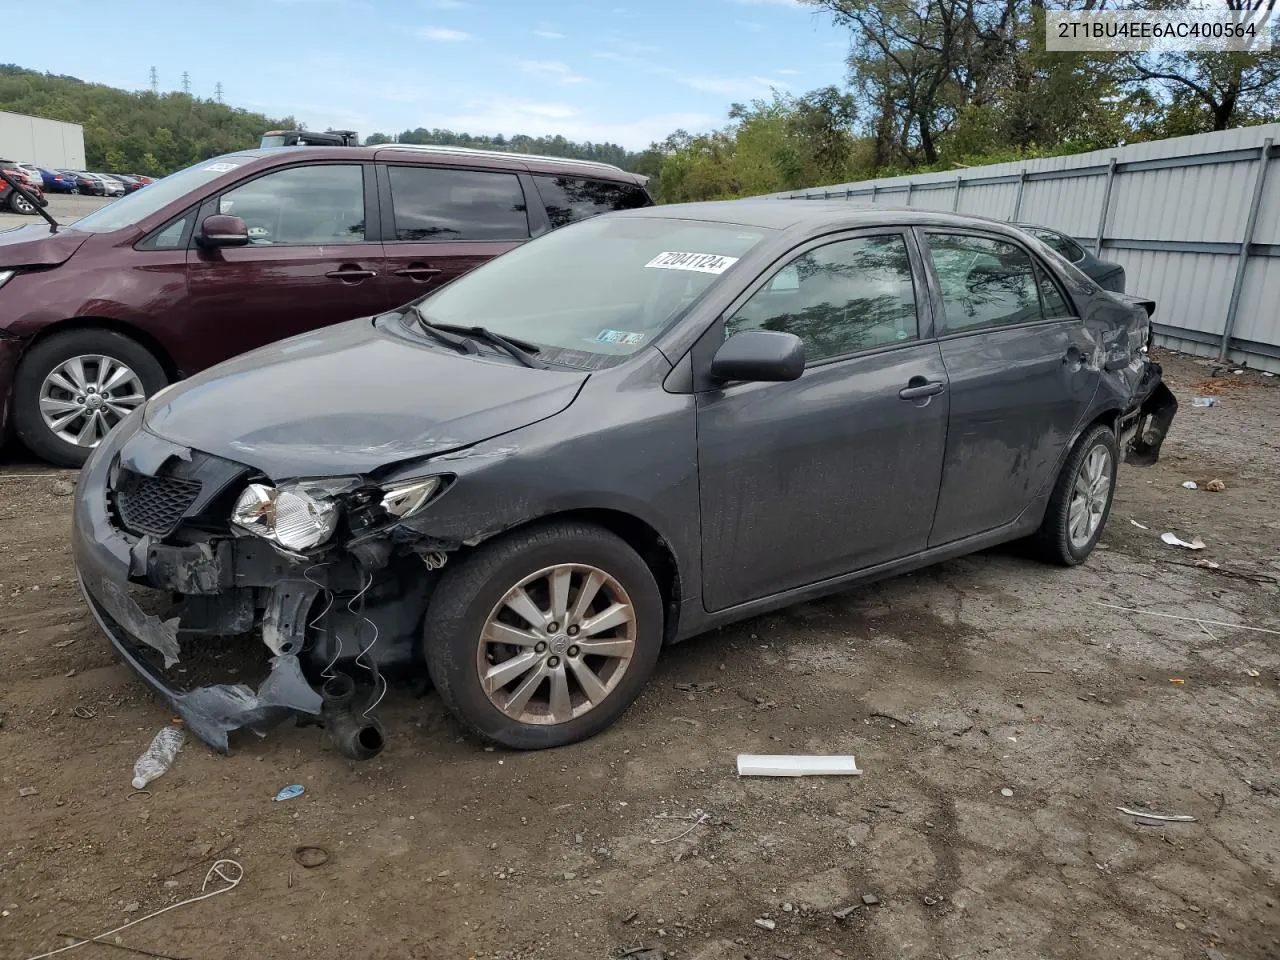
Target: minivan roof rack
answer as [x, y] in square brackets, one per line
[472, 151]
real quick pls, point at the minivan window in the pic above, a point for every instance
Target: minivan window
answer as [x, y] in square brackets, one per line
[575, 198]
[605, 286]
[142, 203]
[321, 203]
[435, 203]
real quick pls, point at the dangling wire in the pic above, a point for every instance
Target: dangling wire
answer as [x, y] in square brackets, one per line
[379, 680]
[327, 673]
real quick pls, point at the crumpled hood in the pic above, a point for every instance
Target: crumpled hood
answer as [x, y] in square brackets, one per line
[351, 398]
[36, 246]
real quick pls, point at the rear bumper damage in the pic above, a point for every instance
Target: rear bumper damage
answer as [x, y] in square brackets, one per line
[174, 612]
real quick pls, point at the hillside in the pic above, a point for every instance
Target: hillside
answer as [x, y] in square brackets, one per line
[138, 132]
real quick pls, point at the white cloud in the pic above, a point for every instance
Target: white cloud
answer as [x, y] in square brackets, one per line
[499, 114]
[787, 73]
[554, 69]
[548, 34]
[750, 25]
[448, 4]
[443, 34]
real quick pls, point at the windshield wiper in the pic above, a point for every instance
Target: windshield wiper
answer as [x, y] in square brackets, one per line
[522, 350]
[460, 344]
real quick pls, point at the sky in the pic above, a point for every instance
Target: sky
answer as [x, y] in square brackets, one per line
[624, 71]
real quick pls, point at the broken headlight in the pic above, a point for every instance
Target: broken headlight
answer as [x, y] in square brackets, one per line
[289, 516]
[403, 500]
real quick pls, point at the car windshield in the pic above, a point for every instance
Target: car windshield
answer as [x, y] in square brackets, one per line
[604, 287]
[129, 209]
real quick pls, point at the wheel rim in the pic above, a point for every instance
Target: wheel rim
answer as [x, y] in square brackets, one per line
[1089, 497]
[23, 204]
[557, 644]
[84, 397]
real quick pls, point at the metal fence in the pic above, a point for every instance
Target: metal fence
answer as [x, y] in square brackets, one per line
[1195, 221]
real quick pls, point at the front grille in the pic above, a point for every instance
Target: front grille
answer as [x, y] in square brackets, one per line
[153, 505]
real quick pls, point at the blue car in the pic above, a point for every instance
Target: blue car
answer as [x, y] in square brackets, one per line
[55, 181]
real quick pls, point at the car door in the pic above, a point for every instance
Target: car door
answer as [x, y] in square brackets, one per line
[441, 222]
[310, 261]
[1022, 372]
[838, 470]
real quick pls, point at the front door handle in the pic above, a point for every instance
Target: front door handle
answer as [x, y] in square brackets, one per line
[351, 273]
[419, 272]
[921, 389]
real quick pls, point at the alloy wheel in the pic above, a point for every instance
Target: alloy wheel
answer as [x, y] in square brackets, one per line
[84, 397]
[557, 644]
[1089, 497]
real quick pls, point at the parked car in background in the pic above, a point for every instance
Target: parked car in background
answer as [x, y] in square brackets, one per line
[113, 186]
[131, 184]
[11, 199]
[1109, 275]
[243, 249]
[31, 173]
[628, 432]
[88, 184]
[54, 181]
[143, 179]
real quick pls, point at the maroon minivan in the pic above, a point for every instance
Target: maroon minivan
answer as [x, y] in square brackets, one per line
[247, 248]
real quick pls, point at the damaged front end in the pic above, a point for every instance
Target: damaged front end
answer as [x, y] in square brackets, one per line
[187, 558]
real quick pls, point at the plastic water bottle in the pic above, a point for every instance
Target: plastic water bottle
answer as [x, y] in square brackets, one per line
[158, 757]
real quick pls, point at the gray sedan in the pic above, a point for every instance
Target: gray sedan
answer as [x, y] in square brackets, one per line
[619, 435]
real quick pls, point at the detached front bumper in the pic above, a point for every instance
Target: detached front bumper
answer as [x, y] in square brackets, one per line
[108, 561]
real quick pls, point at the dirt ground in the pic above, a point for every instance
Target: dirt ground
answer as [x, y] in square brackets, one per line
[984, 821]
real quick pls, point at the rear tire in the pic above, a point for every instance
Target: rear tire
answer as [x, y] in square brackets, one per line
[1081, 500]
[130, 371]
[470, 604]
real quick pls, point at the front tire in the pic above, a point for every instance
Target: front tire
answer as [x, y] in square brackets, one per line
[20, 204]
[73, 387]
[1081, 500]
[544, 637]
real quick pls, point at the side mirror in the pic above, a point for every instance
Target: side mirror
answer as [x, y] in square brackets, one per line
[759, 356]
[221, 230]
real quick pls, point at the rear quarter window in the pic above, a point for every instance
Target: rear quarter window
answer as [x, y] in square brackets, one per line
[569, 199]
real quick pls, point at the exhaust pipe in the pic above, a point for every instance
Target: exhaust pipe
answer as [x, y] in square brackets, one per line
[355, 737]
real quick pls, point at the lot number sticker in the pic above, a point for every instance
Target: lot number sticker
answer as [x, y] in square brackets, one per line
[697, 262]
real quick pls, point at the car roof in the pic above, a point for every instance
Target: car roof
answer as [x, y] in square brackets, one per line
[779, 214]
[458, 156]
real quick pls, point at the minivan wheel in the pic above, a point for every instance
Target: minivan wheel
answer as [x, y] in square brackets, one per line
[73, 387]
[1081, 500]
[544, 637]
[20, 204]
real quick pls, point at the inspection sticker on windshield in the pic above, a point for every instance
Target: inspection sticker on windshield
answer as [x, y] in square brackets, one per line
[221, 167]
[619, 336]
[697, 262]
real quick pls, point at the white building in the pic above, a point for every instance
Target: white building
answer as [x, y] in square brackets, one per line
[46, 143]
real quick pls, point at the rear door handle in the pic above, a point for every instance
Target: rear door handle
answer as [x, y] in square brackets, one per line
[419, 273]
[921, 389]
[350, 273]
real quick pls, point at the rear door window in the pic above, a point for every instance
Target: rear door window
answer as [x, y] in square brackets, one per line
[434, 203]
[575, 198]
[985, 283]
[319, 204]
